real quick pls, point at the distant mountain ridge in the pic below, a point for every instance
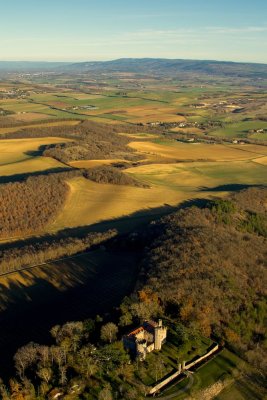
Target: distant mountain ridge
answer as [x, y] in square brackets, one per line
[155, 66]
[161, 66]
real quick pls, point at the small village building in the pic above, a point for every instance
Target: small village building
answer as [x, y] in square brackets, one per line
[148, 337]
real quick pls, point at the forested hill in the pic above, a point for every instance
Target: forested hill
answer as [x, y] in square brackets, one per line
[208, 268]
[155, 66]
[173, 67]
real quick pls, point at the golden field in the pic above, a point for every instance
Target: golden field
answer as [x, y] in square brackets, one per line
[40, 125]
[171, 150]
[175, 172]
[21, 155]
[91, 202]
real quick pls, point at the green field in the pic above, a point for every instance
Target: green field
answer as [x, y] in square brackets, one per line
[241, 130]
[225, 367]
[121, 101]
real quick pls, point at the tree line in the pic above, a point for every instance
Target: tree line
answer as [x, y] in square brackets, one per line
[16, 258]
[111, 175]
[29, 205]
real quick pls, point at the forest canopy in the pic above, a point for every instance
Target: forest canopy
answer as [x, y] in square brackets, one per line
[208, 267]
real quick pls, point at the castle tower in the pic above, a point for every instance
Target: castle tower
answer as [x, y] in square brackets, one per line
[160, 335]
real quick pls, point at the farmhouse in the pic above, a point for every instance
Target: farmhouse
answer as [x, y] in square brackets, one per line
[148, 337]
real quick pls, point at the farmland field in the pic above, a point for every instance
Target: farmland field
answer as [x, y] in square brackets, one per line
[24, 155]
[202, 168]
[196, 151]
[37, 125]
[187, 141]
[91, 202]
[174, 171]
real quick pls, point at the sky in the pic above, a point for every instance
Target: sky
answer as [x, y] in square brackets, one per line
[87, 30]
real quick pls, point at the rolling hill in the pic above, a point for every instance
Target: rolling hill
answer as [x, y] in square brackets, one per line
[144, 65]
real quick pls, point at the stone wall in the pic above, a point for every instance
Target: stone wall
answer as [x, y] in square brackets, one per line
[166, 381]
[198, 360]
[181, 369]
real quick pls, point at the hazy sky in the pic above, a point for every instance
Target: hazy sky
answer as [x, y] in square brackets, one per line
[70, 30]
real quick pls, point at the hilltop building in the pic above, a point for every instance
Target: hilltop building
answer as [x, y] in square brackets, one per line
[148, 337]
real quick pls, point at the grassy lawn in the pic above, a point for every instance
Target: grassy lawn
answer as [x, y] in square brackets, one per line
[225, 365]
[242, 389]
[159, 364]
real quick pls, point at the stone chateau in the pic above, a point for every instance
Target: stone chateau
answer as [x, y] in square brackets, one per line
[148, 337]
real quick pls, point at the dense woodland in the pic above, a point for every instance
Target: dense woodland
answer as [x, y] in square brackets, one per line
[29, 205]
[203, 271]
[208, 267]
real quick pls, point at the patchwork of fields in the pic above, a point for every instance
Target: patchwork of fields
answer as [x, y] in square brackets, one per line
[211, 170]
[175, 172]
[238, 111]
[187, 143]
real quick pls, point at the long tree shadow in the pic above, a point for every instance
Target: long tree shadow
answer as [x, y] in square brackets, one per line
[24, 176]
[231, 187]
[133, 222]
[43, 298]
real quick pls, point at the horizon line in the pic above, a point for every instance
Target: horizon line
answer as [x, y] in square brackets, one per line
[131, 58]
